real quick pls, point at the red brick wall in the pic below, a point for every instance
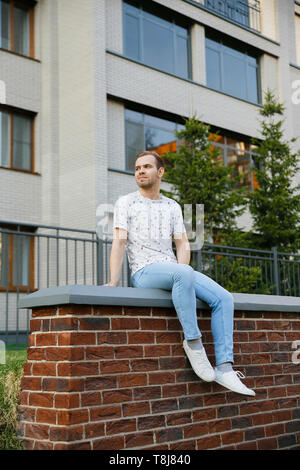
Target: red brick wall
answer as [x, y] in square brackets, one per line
[117, 378]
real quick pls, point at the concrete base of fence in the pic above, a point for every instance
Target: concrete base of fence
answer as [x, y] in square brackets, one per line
[106, 370]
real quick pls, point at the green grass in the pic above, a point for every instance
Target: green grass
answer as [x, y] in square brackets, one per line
[10, 380]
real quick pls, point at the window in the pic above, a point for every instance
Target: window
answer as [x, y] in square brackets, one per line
[238, 154]
[16, 26]
[146, 132]
[16, 259]
[232, 71]
[155, 41]
[236, 10]
[297, 31]
[16, 136]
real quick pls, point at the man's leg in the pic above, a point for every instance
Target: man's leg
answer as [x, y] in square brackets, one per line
[179, 278]
[186, 284]
[222, 305]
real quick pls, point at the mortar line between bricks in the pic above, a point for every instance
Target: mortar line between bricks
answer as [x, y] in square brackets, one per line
[181, 410]
[204, 421]
[204, 436]
[146, 358]
[161, 371]
[180, 427]
[152, 385]
[194, 438]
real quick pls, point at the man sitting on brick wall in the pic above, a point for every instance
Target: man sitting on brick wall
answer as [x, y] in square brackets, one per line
[145, 222]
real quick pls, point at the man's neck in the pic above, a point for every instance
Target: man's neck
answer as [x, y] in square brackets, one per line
[154, 195]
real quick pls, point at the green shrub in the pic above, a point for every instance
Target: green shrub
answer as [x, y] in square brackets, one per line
[10, 379]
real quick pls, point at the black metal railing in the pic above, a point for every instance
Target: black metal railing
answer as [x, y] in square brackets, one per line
[36, 257]
[236, 269]
[244, 13]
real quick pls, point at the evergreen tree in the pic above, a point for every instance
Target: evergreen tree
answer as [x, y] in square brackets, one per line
[275, 204]
[197, 176]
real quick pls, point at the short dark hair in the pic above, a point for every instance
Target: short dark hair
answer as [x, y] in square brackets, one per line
[159, 160]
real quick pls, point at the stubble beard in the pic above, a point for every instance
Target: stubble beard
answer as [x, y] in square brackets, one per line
[145, 184]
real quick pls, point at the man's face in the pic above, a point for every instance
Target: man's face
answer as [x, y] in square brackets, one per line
[146, 172]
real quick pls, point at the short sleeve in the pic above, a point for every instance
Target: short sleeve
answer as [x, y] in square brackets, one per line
[178, 226]
[121, 214]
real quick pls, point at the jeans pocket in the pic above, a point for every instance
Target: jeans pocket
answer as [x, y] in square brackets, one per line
[136, 277]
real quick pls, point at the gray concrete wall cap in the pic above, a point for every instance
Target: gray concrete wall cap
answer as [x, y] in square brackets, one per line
[138, 297]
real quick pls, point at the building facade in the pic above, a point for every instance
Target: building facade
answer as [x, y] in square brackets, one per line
[85, 85]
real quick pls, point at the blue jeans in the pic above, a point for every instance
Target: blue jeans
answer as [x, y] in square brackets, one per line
[187, 284]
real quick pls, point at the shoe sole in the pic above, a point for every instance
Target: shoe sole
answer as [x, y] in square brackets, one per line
[234, 390]
[198, 375]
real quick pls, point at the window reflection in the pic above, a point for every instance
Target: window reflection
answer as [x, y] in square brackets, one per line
[16, 26]
[21, 246]
[16, 255]
[239, 145]
[16, 140]
[218, 154]
[22, 142]
[4, 258]
[21, 30]
[239, 155]
[4, 24]
[241, 163]
[232, 71]
[4, 138]
[146, 132]
[236, 10]
[157, 38]
[155, 41]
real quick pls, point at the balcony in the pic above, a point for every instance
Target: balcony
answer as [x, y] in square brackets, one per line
[244, 13]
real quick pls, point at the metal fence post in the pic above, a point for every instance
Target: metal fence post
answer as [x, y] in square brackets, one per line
[100, 258]
[275, 270]
[129, 282]
[198, 260]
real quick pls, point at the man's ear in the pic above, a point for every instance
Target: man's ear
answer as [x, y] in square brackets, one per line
[161, 171]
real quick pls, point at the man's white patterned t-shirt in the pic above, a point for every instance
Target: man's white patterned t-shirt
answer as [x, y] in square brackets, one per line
[150, 224]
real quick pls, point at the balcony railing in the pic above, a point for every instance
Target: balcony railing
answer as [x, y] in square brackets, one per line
[245, 13]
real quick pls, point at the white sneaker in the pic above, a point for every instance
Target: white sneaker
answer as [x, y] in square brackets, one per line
[231, 381]
[200, 363]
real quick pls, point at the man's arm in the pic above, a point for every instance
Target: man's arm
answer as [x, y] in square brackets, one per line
[183, 251]
[116, 256]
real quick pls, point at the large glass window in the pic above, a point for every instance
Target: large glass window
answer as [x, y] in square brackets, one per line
[237, 154]
[232, 71]
[16, 141]
[4, 139]
[21, 142]
[146, 132]
[21, 30]
[16, 259]
[297, 31]
[4, 24]
[16, 26]
[155, 41]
